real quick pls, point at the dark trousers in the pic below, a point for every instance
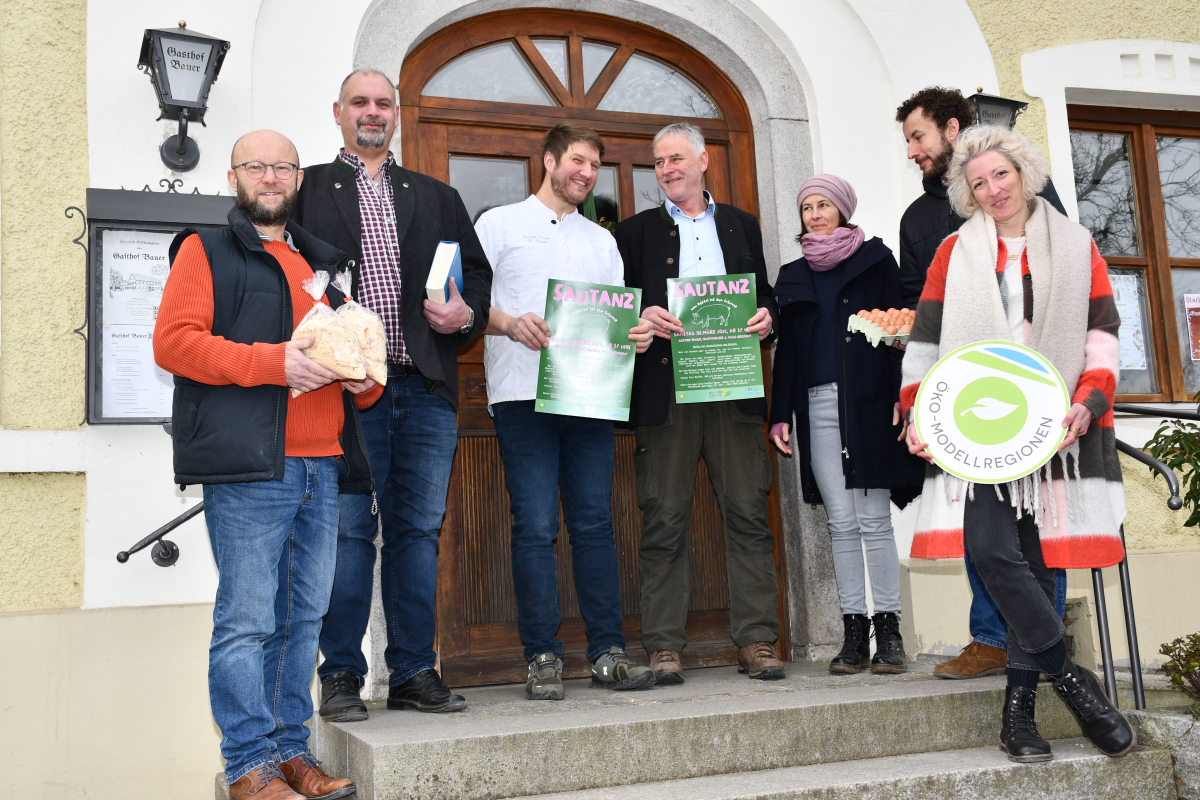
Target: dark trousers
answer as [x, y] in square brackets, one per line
[1008, 554]
[410, 436]
[548, 456]
[666, 457]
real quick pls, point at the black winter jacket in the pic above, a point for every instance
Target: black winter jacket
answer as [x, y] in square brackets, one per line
[649, 246]
[427, 211]
[925, 224]
[235, 434]
[868, 377]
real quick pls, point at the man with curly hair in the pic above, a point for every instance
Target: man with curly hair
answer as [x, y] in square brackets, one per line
[932, 120]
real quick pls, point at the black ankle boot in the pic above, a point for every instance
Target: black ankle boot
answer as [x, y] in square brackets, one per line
[1019, 735]
[856, 650]
[1102, 723]
[889, 647]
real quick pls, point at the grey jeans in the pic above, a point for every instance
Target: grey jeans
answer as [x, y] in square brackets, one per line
[856, 516]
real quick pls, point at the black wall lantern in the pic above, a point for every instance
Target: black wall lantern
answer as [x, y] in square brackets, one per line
[993, 110]
[183, 65]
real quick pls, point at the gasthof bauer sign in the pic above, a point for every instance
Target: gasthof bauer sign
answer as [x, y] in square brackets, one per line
[991, 412]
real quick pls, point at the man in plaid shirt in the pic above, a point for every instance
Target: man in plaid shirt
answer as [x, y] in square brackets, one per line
[389, 221]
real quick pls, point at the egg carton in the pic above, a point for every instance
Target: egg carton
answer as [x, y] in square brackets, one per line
[874, 333]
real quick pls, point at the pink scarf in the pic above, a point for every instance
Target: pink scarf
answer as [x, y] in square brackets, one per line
[826, 252]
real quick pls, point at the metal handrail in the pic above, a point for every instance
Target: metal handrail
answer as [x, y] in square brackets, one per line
[1154, 411]
[167, 553]
[1135, 658]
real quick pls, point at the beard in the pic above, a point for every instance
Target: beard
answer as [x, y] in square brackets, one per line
[560, 184]
[370, 141]
[261, 215]
[939, 165]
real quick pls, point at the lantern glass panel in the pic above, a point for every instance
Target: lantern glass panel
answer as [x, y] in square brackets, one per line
[186, 63]
[995, 114]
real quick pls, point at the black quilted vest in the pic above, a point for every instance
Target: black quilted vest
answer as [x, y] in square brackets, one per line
[235, 434]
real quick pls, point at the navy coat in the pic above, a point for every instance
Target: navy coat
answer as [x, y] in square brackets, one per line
[868, 377]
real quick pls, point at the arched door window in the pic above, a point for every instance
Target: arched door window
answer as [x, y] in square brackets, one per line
[476, 99]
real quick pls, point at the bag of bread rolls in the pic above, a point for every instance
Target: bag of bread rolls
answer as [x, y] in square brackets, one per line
[335, 347]
[367, 326]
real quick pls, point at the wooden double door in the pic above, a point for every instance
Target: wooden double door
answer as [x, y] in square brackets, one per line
[490, 151]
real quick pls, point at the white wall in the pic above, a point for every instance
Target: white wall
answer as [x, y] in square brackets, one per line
[855, 61]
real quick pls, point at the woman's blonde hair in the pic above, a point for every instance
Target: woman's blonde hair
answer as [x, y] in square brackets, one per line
[977, 140]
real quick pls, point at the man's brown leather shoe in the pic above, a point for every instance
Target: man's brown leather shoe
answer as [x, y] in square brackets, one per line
[262, 783]
[305, 776]
[976, 660]
[667, 667]
[759, 661]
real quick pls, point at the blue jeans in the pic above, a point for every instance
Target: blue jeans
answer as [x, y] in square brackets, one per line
[274, 543]
[987, 623]
[410, 436]
[545, 455]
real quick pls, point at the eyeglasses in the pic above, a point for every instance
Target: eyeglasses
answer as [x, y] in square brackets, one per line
[258, 170]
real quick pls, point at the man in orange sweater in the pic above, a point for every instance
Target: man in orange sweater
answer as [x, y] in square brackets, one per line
[270, 464]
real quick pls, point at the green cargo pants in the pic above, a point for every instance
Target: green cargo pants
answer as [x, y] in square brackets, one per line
[666, 458]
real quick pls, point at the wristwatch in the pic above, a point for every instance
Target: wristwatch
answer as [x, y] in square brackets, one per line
[470, 323]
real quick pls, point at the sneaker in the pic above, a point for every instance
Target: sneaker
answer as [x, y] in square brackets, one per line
[545, 678]
[615, 670]
[667, 668]
[340, 701]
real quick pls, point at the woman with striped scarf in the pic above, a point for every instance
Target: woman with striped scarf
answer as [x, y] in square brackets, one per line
[1018, 270]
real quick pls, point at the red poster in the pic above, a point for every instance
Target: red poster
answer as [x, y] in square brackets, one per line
[1191, 309]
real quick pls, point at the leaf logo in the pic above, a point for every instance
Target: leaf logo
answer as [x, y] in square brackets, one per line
[989, 408]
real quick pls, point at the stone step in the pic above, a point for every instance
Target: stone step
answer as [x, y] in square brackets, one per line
[982, 773]
[719, 722]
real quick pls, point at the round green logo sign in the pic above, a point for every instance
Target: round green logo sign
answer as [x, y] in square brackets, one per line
[991, 412]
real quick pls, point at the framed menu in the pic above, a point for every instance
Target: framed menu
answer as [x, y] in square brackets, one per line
[129, 236]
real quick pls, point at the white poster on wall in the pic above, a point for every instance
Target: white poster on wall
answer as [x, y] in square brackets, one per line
[1131, 333]
[135, 267]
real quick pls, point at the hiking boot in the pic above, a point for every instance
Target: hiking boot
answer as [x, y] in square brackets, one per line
[1019, 735]
[264, 782]
[856, 649]
[340, 701]
[615, 670]
[889, 647]
[1102, 723]
[976, 660]
[545, 678]
[425, 691]
[305, 776]
[667, 667]
[760, 662]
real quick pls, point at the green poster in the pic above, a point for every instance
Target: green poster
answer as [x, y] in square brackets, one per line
[587, 371]
[715, 359]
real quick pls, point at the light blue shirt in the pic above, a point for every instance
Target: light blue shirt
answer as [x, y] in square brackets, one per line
[699, 249]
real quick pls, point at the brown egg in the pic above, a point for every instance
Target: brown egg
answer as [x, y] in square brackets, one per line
[906, 311]
[875, 312]
[891, 312]
[890, 330]
[906, 328]
[864, 314]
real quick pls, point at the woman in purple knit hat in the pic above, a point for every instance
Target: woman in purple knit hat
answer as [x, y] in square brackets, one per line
[844, 395]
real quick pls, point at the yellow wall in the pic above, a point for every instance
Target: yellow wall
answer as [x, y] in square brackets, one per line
[1150, 525]
[41, 541]
[43, 169]
[107, 704]
[1013, 28]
